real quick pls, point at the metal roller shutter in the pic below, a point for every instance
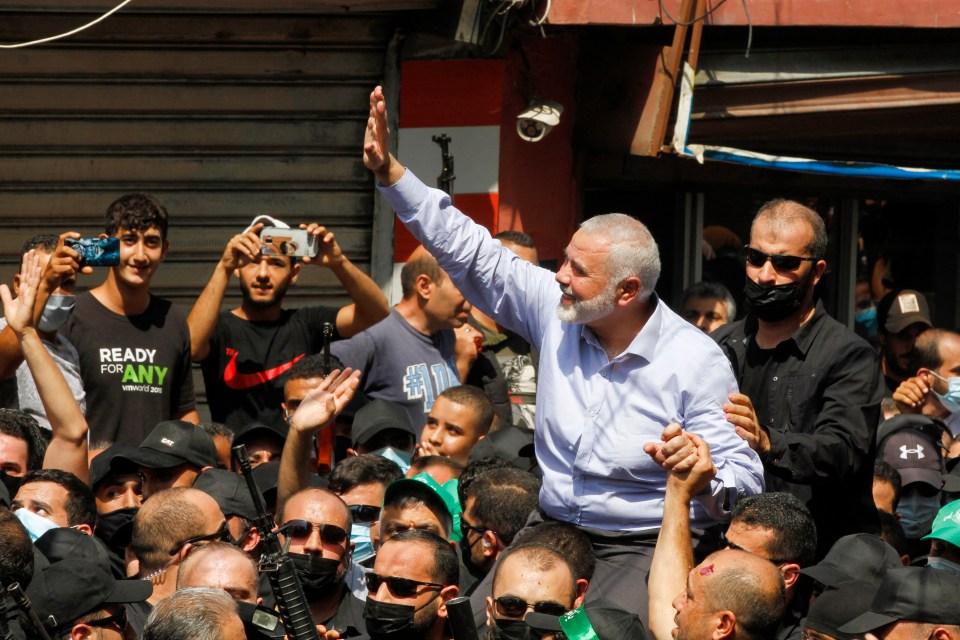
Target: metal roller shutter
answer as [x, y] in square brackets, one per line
[220, 116]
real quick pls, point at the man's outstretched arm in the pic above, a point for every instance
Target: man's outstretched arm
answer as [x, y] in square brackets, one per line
[67, 450]
[369, 304]
[673, 555]
[240, 250]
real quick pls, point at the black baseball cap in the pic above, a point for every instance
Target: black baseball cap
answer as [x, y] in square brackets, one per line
[837, 606]
[609, 621]
[377, 416]
[230, 490]
[172, 443]
[247, 432]
[859, 556]
[64, 543]
[69, 589]
[914, 594]
[114, 459]
[915, 456]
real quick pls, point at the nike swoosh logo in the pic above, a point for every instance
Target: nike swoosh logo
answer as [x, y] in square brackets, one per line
[240, 381]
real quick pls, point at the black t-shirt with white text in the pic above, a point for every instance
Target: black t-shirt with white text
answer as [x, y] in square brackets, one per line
[135, 369]
[248, 361]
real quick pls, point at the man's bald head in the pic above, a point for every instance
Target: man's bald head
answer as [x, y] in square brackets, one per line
[168, 518]
[747, 585]
[222, 566]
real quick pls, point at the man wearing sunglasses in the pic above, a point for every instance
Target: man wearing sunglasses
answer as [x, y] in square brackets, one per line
[165, 530]
[810, 388]
[315, 529]
[531, 578]
[415, 575]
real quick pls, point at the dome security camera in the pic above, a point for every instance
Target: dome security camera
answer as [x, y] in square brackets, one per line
[540, 117]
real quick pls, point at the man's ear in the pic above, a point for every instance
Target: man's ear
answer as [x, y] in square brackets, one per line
[424, 286]
[81, 632]
[250, 540]
[447, 593]
[165, 251]
[83, 528]
[16, 283]
[819, 268]
[491, 545]
[790, 573]
[725, 625]
[628, 290]
[296, 273]
[490, 622]
[582, 585]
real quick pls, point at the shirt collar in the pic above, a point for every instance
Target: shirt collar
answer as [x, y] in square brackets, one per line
[803, 337]
[644, 344]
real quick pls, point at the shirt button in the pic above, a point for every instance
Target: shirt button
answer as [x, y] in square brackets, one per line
[570, 447]
[775, 378]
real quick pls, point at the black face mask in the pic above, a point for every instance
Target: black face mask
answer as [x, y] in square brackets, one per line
[777, 302]
[12, 483]
[388, 621]
[320, 577]
[511, 630]
[108, 523]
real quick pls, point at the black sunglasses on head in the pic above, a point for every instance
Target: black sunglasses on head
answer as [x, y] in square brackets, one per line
[758, 258]
[364, 512]
[513, 607]
[399, 587]
[222, 534]
[329, 533]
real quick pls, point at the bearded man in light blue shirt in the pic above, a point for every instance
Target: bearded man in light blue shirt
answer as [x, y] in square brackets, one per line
[617, 368]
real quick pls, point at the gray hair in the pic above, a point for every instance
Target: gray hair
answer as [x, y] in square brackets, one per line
[711, 290]
[197, 612]
[633, 251]
[781, 213]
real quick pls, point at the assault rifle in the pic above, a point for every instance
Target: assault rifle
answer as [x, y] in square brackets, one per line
[278, 566]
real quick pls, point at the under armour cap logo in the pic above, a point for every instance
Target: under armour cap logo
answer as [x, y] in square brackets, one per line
[170, 443]
[904, 451]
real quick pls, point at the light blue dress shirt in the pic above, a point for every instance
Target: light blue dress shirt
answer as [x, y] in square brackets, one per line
[594, 414]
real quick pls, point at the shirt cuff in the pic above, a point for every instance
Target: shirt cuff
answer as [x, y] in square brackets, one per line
[406, 195]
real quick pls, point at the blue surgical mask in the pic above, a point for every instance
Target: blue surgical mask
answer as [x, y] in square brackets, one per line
[363, 544]
[56, 312]
[402, 458]
[868, 320]
[951, 399]
[917, 513]
[942, 564]
[35, 525]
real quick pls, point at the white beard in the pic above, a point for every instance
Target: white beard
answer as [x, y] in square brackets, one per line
[587, 311]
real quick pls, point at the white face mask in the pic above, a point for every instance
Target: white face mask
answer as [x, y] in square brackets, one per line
[56, 312]
[942, 564]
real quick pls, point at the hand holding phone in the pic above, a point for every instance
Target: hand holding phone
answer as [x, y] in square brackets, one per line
[96, 252]
[276, 241]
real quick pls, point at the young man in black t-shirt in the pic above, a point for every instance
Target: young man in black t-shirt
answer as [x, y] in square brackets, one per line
[246, 352]
[134, 347]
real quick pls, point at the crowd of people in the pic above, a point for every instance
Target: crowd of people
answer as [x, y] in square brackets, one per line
[507, 451]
